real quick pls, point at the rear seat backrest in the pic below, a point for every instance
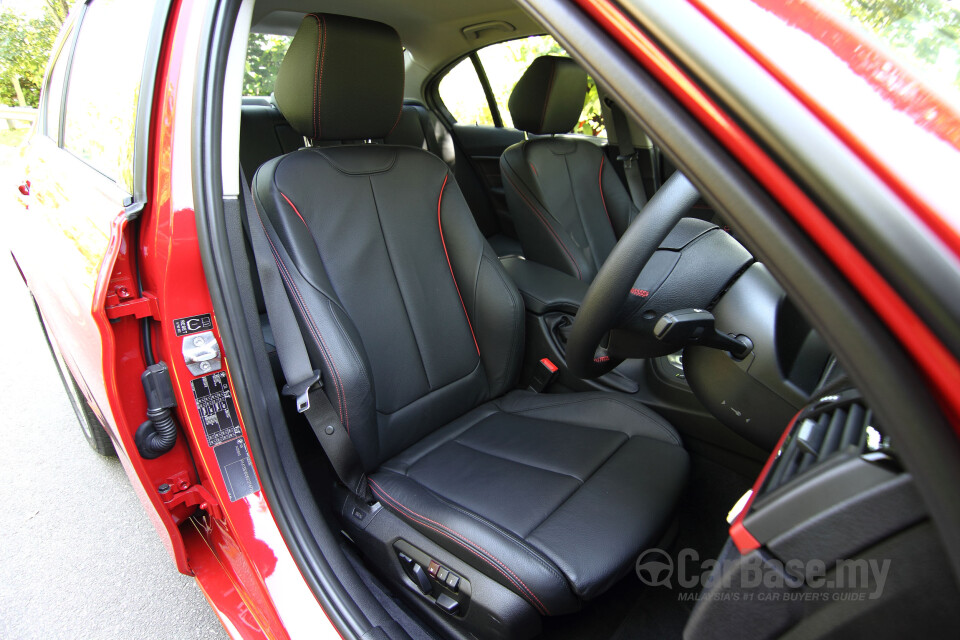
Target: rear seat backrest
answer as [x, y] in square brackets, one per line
[418, 127]
[264, 135]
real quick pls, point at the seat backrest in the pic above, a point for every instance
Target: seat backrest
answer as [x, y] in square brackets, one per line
[566, 201]
[403, 304]
[264, 134]
[418, 127]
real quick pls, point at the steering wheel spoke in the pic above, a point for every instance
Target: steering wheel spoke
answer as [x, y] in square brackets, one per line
[603, 304]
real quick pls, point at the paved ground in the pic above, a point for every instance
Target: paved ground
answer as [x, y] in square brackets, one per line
[80, 559]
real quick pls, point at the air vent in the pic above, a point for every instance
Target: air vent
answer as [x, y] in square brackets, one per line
[837, 425]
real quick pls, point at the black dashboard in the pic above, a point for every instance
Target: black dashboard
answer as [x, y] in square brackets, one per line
[832, 541]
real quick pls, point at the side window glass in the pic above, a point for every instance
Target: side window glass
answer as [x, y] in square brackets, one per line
[104, 85]
[53, 90]
[462, 95]
[264, 54]
[504, 63]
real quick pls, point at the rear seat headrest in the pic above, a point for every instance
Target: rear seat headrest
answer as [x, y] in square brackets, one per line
[341, 79]
[549, 96]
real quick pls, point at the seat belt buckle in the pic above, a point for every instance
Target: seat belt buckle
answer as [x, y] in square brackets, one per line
[627, 160]
[301, 390]
[545, 374]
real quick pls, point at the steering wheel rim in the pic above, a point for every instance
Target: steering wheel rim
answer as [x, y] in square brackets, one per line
[603, 300]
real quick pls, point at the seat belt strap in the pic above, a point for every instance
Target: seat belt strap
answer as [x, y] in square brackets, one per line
[628, 157]
[299, 375]
[655, 167]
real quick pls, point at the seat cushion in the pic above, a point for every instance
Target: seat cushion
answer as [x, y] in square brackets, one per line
[554, 496]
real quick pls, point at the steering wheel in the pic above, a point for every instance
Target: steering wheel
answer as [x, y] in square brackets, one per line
[600, 338]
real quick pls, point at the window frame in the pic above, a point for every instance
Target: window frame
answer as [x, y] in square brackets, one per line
[64, 54]
[136, 199]
[485, 85]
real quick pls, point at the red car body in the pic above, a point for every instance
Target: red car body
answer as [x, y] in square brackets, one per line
[72, 243]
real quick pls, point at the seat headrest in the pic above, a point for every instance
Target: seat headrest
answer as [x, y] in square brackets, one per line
[341, 79]
[549, 96]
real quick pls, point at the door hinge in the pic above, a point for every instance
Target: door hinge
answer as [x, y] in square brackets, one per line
[143, 307]
[193, 496]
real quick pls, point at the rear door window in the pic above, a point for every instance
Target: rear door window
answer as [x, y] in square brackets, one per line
[462, 95]
[53, 91]
[264, 54]
[461, 90]
[104, 86]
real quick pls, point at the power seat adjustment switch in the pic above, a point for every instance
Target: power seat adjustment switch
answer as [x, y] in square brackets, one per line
[437, 583]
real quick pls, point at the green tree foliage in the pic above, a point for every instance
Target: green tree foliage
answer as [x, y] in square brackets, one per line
[591, 120]
[58, 10]
[264, 54]
[25, 46]
[927, 31]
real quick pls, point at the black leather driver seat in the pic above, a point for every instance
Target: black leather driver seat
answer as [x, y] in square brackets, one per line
[419, 334]
[566, 201]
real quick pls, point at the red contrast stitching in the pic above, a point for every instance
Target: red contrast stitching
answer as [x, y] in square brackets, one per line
[316, 72]
[314, 330]
[444, 242]
[640, 293]
[294, 209]
[602, 199]
[397, 121]
[602, 359]
[547, 225]
[413, 515]
[341, 393]
[323, 57]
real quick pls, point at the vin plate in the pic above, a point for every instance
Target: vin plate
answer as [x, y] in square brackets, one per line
[222, 428]
[216, 407]
[237, 470]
